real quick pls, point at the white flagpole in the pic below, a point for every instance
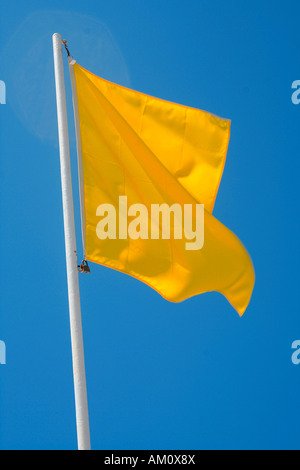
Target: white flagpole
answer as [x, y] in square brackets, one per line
[82, 417]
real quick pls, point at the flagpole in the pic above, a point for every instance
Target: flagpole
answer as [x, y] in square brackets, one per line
[81, 405]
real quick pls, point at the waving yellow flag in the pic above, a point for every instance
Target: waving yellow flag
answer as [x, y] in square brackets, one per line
[149, 168]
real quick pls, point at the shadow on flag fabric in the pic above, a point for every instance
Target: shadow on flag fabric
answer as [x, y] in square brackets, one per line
[147, 152]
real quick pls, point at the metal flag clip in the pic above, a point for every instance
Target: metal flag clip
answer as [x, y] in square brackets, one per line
[84, 267]
[67, 49]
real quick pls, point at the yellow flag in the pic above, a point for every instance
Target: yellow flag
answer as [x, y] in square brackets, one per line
[149, 168]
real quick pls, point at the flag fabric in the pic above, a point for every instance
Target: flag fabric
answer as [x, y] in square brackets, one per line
[138, 153]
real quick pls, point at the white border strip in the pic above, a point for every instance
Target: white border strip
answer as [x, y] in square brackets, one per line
[79, 153]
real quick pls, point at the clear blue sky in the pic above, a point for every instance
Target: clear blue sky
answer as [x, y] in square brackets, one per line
[159, 375]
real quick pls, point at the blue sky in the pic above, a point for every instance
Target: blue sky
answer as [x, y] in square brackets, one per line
[160, 375]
